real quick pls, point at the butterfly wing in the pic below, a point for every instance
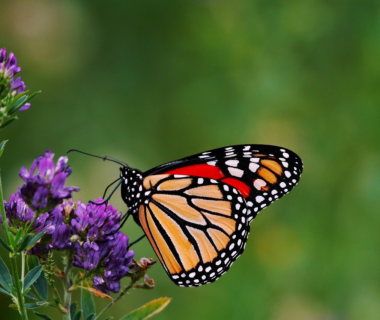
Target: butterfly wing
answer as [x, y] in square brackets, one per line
[196, 211]
[197, 226]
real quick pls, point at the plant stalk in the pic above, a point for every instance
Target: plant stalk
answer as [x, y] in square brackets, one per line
[130, 286]
[67, 284]
[18, 285]
[22, 266]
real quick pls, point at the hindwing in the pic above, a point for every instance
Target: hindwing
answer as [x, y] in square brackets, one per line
[197, 226]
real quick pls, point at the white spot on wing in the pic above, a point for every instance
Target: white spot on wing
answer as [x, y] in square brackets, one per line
[258, 183]
[259, 199]
[233, 163]
[236, 172]
[253, 167]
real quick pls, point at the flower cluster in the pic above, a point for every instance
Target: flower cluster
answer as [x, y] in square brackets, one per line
[90, 232]
[46, 189]
[8, 84]
[19, 215]
[103, 249]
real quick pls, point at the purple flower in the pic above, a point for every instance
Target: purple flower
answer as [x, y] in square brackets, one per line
[103, 249]
[8, 66]
[56, 227]
[19, 214]
[17, 211]
[114, 265]
[18, 85]
[97, 222]
[9, 86]
[58, 232]
[46, 189]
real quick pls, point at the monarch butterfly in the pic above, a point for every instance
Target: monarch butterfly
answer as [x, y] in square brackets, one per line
[196, 211]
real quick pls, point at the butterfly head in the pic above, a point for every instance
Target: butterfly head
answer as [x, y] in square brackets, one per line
[131, 187]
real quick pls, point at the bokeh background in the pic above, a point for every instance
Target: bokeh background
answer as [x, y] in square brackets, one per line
[148, 82]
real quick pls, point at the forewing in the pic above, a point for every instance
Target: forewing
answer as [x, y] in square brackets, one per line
[197, 226]
[261, 173]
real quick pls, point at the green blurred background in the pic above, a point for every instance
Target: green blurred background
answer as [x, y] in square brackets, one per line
[153, 81]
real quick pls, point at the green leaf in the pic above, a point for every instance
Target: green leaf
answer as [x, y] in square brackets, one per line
[32, 261]
[43, 316]
[32, 96]
[73, 309]
[18, 236]
[32, 276]
[109, 318]
[2, 145]
[35, 239]
[31, 296]
[13, 290]
[24, 243]
[8, 121]
[88, 305]
[2, 242]
[35, 305]
[5, 292]
[5, 276]
[41, 285]
[18, 104]
[91, 317]
[78, 315]
[148, 310]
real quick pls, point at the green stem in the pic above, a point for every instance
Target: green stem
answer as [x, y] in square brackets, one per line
[131, 285]
[3, 215]
[22, 266]
[18, 286]
[17, 283]
[67, 284]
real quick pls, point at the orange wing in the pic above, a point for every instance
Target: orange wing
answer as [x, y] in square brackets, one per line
[197, 226]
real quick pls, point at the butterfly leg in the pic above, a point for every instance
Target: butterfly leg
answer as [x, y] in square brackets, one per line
[105, 191]
[109, 197]
[134, 242]
[124, 219]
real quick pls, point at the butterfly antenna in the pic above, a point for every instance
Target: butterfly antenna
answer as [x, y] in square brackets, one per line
[104, 158]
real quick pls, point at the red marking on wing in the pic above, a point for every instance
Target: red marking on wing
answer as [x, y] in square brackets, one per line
[241, 186]
[199, 170]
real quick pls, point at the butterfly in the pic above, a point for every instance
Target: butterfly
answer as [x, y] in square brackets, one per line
[196, 211]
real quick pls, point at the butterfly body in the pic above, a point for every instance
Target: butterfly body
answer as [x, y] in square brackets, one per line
[196, 211]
